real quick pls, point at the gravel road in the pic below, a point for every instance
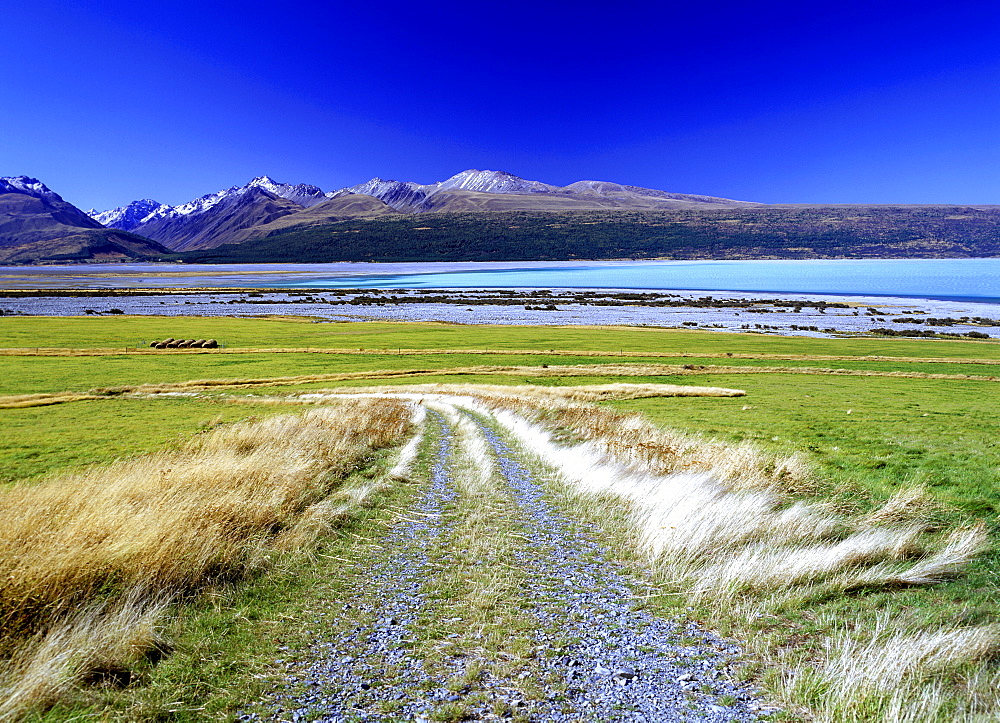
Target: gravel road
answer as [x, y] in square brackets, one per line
[595, 655]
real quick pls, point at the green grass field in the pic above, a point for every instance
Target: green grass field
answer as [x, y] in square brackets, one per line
[866, 436]
[871, 433]
[40, 440]
[298, 332]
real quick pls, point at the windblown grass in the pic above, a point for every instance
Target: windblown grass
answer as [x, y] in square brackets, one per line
[904, 676]
[91, 561]
[715, 522]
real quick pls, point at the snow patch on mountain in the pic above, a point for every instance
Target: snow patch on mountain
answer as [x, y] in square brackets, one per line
[400, 195]
[609, 189]
[141, 212]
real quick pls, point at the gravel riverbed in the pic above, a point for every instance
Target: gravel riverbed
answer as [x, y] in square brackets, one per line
[736, 311]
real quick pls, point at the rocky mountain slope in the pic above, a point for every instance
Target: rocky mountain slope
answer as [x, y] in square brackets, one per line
[333, 210]
[204, 225]
[36, 224]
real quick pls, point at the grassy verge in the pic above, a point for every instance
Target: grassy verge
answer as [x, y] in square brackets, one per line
[233, 645]
[867, 434]
[93, 562]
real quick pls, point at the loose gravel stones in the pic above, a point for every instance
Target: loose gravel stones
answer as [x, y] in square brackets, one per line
[597, 656]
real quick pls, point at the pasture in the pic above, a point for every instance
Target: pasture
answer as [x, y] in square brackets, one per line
[869, 419]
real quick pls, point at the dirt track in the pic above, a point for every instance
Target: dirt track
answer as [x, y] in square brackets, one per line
[485, 601]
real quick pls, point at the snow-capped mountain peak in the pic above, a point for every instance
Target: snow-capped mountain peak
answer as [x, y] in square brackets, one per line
[29, 186]
[148, 216]
[303, 194]
[409, 196]
[210, 200]
[398, 194]
[128, 217]
[493, 182]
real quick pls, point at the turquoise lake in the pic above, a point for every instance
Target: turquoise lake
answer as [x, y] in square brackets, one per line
[968, 279]
[959, 279]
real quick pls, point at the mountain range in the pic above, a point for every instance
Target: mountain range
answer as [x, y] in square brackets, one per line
[264, 206]
[473, 215]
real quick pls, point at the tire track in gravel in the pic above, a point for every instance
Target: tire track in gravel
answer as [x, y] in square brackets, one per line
[342, 678]
[596, 656]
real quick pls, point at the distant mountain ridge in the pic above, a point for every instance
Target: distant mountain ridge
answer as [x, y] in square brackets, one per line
[240, 212]
[409, 197]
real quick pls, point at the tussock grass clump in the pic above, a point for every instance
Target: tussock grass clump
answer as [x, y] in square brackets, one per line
[120, 542]
[719, 517]
[630, 440]
[903, 676]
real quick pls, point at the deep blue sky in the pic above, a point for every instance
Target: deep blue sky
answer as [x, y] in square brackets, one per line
[808, 102]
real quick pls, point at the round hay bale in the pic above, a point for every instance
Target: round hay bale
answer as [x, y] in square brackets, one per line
[211, 344]
[185, 344]
[160, 345]
[173, 344]
[152, 344]
[198, 343]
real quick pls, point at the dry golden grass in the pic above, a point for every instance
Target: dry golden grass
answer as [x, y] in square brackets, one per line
[633, 441]
[716, 516]
[120, 542]
[714, 523]
[18, 401]
[94, 559]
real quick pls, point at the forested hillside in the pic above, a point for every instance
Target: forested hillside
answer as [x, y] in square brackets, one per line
[729, 233]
